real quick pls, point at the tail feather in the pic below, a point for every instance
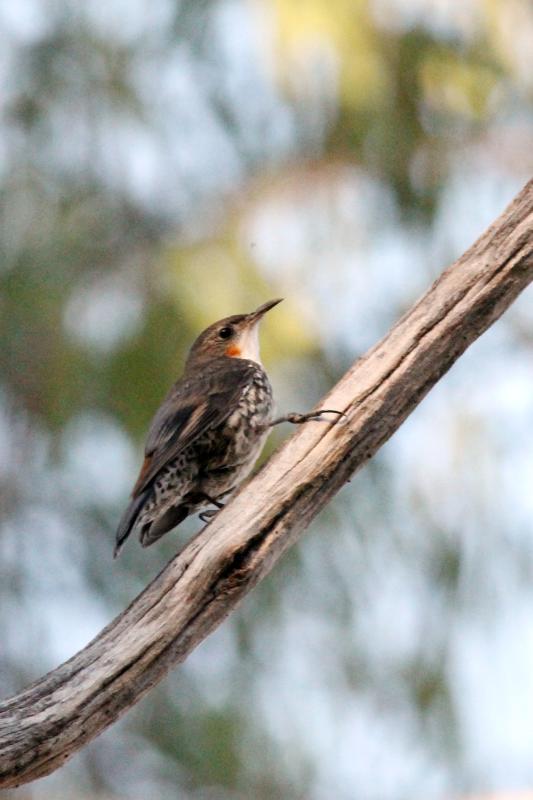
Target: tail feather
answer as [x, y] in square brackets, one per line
[127, 521]
[151, 533]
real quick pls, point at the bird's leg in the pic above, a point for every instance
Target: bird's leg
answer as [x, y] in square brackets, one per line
[315, 416]
[209, 513]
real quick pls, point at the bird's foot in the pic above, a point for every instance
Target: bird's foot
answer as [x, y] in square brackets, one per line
[209, 513]
[313, 416]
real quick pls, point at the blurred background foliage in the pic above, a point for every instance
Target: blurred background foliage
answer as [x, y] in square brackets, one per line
[166, 163]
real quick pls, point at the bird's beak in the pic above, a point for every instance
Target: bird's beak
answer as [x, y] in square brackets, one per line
[256, 315]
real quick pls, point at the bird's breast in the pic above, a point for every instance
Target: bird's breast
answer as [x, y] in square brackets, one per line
[254, 407]
[226, 454]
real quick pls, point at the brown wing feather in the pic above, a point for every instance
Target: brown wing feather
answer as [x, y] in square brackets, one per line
[145, 469]
[179, 421]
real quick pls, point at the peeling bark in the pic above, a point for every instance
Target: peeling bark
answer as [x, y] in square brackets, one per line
[44, 725]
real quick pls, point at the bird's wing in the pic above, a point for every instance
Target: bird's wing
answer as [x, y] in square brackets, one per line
[193, 407]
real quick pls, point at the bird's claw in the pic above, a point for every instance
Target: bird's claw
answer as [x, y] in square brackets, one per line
[209, 513]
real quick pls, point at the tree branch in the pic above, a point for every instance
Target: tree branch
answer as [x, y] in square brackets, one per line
[44, 725]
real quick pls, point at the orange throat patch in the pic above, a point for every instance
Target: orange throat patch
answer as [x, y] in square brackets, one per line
[233, 350]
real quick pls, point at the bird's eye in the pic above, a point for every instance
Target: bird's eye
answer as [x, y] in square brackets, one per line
[225, 332]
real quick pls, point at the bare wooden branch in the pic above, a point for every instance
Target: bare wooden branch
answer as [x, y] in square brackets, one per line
[44, 725]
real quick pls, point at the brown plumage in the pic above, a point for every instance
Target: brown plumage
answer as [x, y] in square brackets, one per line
[208, 432]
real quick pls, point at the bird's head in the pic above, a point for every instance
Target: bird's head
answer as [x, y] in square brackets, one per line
[236, 337]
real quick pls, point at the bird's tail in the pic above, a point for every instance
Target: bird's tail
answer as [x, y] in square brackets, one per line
[128, 519]
[172, 517]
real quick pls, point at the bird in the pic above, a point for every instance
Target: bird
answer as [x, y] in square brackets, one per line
[208, 433]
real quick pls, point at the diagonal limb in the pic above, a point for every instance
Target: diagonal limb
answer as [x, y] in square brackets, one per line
[43, 726]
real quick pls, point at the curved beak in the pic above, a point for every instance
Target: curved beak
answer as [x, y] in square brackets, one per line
[259, 312]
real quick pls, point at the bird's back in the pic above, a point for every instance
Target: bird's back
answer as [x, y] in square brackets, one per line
[202, 443]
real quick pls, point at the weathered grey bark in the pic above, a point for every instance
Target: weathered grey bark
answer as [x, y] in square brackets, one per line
[44, 725]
